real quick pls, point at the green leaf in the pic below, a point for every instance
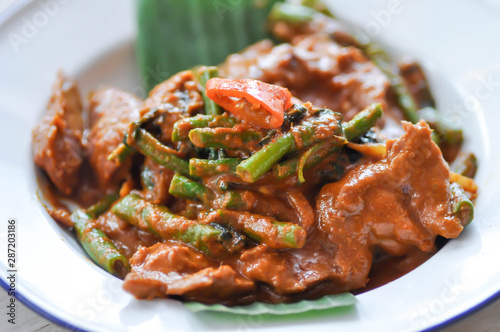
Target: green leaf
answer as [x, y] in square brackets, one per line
[258, 308]
[175, 35]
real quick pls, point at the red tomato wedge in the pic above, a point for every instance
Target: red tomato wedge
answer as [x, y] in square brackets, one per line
[253, 101]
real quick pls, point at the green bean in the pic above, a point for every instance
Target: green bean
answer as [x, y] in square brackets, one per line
[97, 245]
[95, 210]
[149, 146]
[362, 122]
[148, 178]
[203, 75]
[206, 168]
[317, 5]
[240, 200]
[461, 205]
[184, 126]
[353, 129]
[290, 166]
[182, 187]
[407, 102]
[125, 149]
[275, 234]
[444, 131]
[120, 154]
[225, 138]
[300, 136]
[291, 13]
[465, 164]
[404, 97]
[260, 162]
[158, 220]
[307, 133]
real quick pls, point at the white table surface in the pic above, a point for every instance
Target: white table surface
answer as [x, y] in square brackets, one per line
[486, 319]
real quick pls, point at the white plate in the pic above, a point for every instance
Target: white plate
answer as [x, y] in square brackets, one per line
[456, 41]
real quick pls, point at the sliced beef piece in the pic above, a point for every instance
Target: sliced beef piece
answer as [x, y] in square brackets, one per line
[57, 146]
[111, 111]
[178, 97]
[126, 238]
[175, 269]
[211, 285]
[318, 70]
[295, 270]
[420, 173]
[398, 203]
[320, 25]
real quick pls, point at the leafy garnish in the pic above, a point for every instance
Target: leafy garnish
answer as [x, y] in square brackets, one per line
[176, 35]
[258, 308]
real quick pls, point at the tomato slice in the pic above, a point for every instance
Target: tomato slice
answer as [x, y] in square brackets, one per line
[253, 101]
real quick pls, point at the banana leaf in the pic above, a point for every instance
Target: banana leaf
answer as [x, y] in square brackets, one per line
[259, 308]
[174, 35]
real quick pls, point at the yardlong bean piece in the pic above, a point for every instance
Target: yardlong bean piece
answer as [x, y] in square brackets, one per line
[443, 131]
[275, 234]
[206, 168]
[323, 125]
[120, 154]
[203, 75]
[312, 130]
[352, 129]
[97, 245]
[158, 220]
[290, 166]
[259, 163]
[239, 200]
[235, 138]
[149, 146]
[461, 205]
[182, 187]
[184, 126]
[124, 150]
[405, 100]
[95, 210]
[362, 122]
[291, 13]
[465, 164]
